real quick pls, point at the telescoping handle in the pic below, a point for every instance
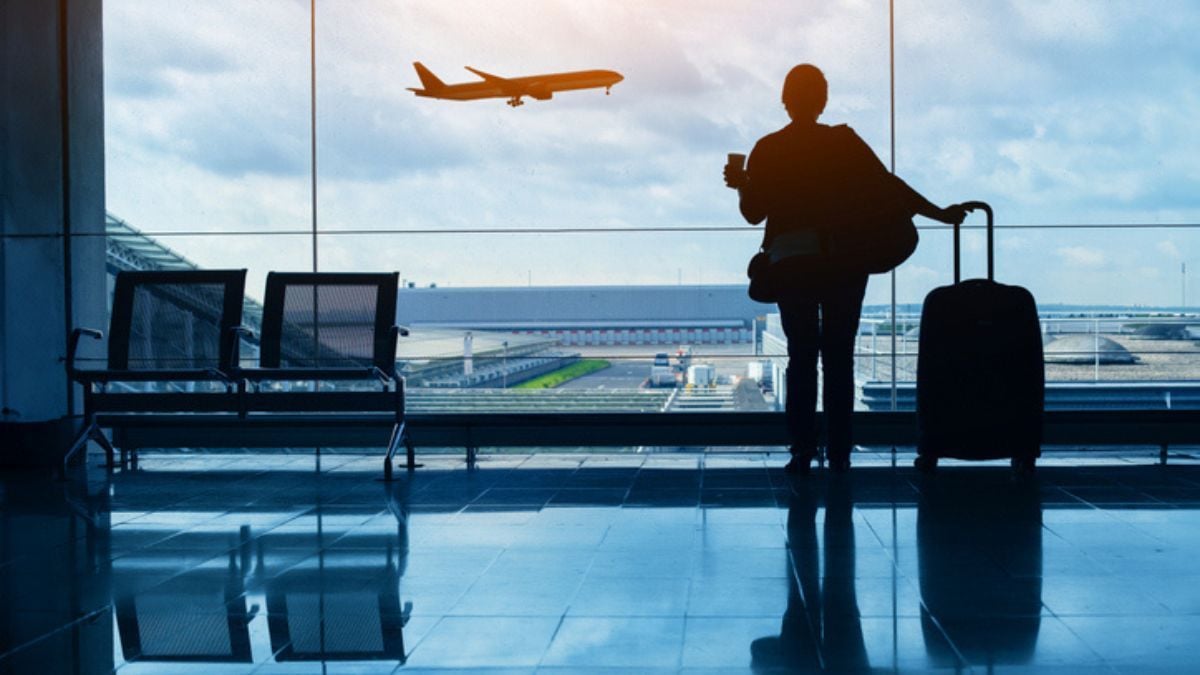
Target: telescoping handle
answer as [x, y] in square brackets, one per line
[973, 206]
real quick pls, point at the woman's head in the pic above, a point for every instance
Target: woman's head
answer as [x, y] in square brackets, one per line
[805, 92]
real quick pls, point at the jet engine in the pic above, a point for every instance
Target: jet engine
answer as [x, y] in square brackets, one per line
[540, 91]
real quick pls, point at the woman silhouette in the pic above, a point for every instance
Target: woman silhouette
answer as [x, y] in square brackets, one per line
[804, 180]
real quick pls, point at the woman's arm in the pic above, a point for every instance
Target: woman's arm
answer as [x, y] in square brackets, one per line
[918, 204]
[912, 200]
[754, 210]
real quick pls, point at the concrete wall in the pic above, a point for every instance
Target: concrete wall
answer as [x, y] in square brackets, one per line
[579, 306]
[722, 335]
[51, 185]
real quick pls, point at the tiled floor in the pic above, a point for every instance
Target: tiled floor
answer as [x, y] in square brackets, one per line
[606, 563]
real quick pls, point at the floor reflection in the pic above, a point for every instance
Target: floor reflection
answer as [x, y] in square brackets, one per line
[979, 549]
[329, 585]
[979, 545]
[821, 628]
[584, 564]
[54, 576]
[201, 616]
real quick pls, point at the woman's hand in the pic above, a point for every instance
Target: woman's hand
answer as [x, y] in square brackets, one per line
[736, 177]
[954, 214]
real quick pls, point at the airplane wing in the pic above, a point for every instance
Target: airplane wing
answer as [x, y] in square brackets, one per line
[488, 77]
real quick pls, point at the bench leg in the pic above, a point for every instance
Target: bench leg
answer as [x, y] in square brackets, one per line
[393, 444]
[80, 443]
[109, 451]
[90, 432]
[410, 452]
[472, 451]
[399, 435]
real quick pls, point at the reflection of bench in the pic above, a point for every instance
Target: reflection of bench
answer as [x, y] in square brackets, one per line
[199, 616]
[341, 604]
[322, 614]
[327, 610]
[327, 356]
[171, 347]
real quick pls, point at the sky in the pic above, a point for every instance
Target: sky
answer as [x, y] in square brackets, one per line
[1073, 112]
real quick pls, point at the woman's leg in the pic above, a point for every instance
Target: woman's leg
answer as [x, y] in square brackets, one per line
[840, 310]
[799, 319]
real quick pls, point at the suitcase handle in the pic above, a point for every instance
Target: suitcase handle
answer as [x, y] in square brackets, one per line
[991, 265]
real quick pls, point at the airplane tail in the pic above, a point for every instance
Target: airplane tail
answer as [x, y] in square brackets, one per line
[428, 79]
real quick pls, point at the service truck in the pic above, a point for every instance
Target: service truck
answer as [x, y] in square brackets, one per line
[661, 372]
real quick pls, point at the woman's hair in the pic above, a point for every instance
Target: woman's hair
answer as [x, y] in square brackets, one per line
[805, 90]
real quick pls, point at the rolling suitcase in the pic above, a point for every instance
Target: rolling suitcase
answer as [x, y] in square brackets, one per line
[980, 376]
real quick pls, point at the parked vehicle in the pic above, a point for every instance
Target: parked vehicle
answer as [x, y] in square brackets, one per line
[702, 375]
[661, 372]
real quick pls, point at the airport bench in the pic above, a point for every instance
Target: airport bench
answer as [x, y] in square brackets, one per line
[326, 351]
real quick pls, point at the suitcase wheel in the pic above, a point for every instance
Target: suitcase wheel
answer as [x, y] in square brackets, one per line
[1024, 466]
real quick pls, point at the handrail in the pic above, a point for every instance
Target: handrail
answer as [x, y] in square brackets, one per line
[580, 230]
[73, 346]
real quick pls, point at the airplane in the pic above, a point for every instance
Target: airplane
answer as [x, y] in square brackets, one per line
[539, 87]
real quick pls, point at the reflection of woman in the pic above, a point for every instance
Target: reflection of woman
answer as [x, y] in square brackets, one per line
[803, 180]
[820, 617]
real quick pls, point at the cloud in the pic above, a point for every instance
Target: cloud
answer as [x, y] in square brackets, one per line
[156, 48]
[1069, 20]
[1012, 243]
[1082, 256]
[1168, 248]
[973, 242]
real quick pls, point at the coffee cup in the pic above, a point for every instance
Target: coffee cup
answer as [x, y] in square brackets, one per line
[735, 170]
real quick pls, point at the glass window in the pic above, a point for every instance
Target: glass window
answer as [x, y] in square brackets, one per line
[563, 243]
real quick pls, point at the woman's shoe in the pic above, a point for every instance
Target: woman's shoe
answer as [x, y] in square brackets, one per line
[1024, 466]
[800, 464]
[926, 463]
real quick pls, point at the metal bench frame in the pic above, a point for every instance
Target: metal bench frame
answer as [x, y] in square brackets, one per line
[243, 406]
[389, 399]
[97, 401]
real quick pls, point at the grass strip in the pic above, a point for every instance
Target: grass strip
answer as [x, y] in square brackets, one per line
[554, 378]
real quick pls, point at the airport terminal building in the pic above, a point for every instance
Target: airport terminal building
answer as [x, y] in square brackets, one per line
[592, 315]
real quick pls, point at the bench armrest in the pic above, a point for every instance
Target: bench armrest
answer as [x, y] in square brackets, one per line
[73, 345]
[231, 338]
[218, 374]
[380, 375]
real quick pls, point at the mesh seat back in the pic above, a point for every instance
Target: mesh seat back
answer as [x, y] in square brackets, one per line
[175, 320]
[329, 321]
